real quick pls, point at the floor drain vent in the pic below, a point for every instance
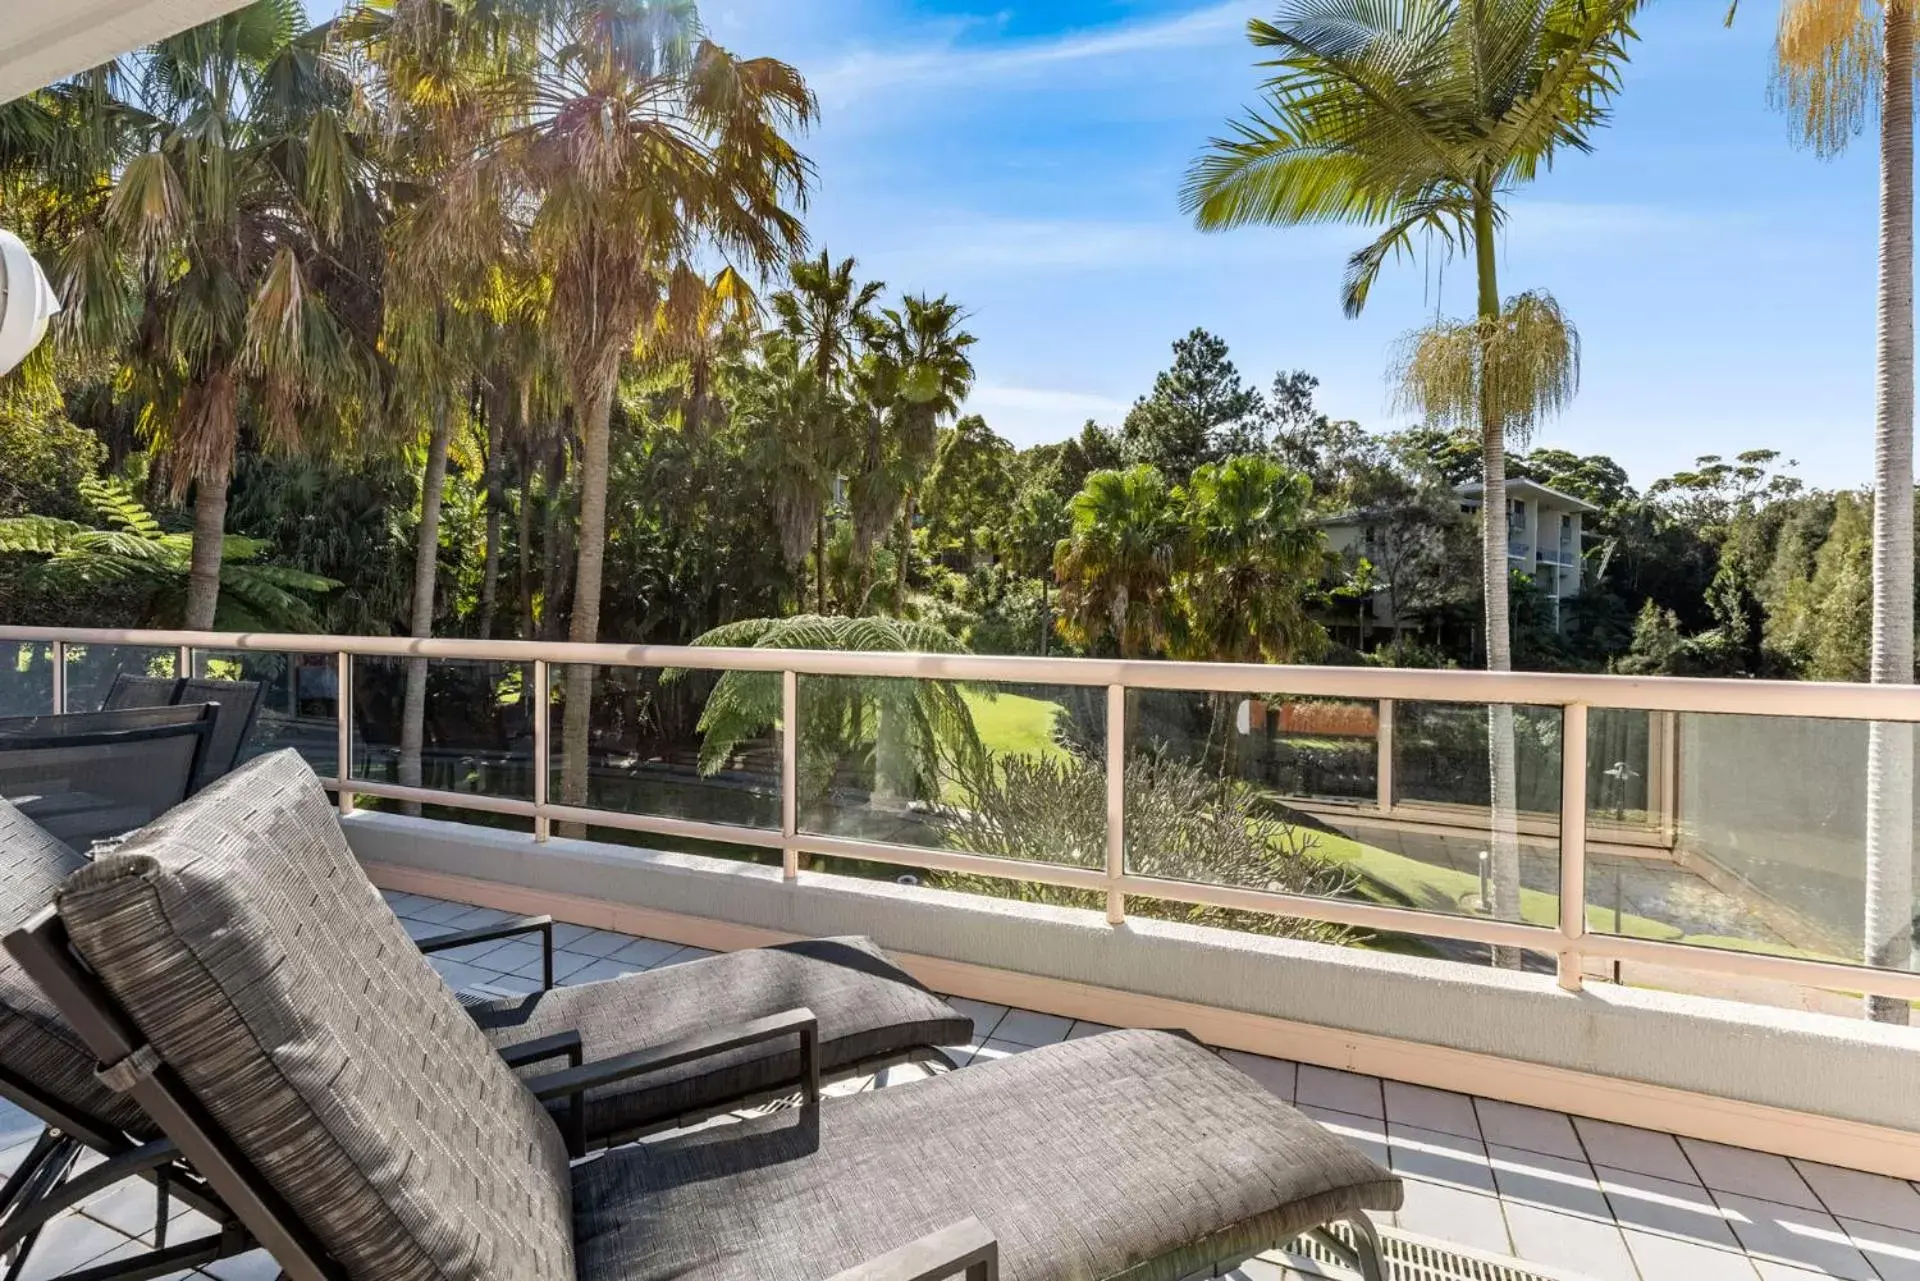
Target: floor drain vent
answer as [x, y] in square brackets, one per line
[1416, 1258]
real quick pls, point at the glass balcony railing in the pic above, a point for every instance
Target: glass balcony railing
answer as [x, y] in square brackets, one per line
[1589, 826]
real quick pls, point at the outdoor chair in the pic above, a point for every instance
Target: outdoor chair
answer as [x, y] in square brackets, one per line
[47, 1070]
[238, 701]
[242, 983]
[91, 776]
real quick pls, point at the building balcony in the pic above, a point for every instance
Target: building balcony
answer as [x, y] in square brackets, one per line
[1667, 1074]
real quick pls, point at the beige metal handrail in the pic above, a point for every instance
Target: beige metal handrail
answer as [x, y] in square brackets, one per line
[1572, 694]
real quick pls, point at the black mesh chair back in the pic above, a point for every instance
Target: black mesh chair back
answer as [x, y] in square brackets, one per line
[239, 704]
[121, 718]
[85, 787]
[142, 691]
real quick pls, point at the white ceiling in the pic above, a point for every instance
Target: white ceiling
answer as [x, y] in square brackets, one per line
[44, 40]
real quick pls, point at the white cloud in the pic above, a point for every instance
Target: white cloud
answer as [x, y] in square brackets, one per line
[944, 62]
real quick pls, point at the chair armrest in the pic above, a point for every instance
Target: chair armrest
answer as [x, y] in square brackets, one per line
[560, 1045]
[542, 925]
[573, 1083]
[966, 1247]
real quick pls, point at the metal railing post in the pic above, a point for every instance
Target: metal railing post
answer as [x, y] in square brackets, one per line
[1573, 842]
[343, 729]
[542, 766]
[1116, 802]
[1383, 758]
[183, 662]
[789, 774]
[59, 678]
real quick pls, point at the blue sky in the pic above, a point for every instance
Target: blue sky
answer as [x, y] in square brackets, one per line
[1026, 160]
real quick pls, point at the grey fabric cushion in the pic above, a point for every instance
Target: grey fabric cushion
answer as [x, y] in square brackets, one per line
[263, 967]
[36, 1045]
[868, 1009]
[1131, 1154]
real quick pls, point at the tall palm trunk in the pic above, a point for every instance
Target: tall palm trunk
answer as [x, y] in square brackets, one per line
[426, 564]
[492, 487]
[555, 467]
[209, 535]
[1890, 907]
[523, 534]
[596, 425]
[1502, 766]
[820, 564]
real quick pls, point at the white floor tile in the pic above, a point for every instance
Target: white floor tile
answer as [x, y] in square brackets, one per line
[68, 1243]
[1666, 1207]
[510, 957]
[1772, 1271]
[1804, 1238]
[645, 953]
[417, 930]
[1083, 1028]
[1279, 1075]
[1625, 1147]
[600, 971]
[1454, 1214]
[1550, 1182]
[1874, 1198]
[1510, 1125]
[1893, 1252]
[1671, 1259]
[1590, 1247]
[459, 975]
[1744, 1173]
[994, 1048]
[565, 932]
[985, 1016]
[567, 964]
[1367, 1133]
[1431, 1109]
[600, 943]
[1439, 1157]
[1341, 1091]
[1030, 1027]
[476, 917]
[441, 913]
[256, 1265]
[686, 954]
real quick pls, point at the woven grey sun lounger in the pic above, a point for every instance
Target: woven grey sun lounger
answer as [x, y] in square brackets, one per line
[249, 992]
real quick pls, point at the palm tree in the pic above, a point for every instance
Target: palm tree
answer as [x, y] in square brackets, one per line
[1420, 117]
[824, 329]
[1252, 554]
[646, 143]
[917, 377]
[227, 263]
[439, 71]
[1838, 61]
[1116, 566]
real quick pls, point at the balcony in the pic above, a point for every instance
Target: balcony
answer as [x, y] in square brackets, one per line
[1689, 859]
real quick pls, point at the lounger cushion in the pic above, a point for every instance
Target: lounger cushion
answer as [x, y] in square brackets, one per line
[1131, 1154]
[263, 967]
[36, 1045]
[868, 1009]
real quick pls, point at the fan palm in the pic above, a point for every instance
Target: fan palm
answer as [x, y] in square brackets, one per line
[1252, 554]
[646, 142]
[1419, 117]
[1116, 566]
[1839, 61]
[226, 261]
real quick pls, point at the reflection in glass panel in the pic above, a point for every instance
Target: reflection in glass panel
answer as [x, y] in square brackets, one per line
[1010, 771]
[648, 753]
[474, 733]
[299, 697]
[1763, 847]
[26, 679]
[131, 675]
[1207, 803]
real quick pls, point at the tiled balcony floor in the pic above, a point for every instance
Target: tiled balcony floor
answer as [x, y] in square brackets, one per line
[1564, 1194]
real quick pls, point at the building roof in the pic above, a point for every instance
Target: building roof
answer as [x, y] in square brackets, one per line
[1546, 494]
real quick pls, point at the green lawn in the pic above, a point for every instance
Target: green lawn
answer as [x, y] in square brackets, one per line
[1015, 725]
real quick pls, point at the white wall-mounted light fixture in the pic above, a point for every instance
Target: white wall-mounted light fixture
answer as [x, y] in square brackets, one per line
[27, 302]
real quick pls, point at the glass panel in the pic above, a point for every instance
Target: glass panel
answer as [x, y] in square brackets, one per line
[1440, 758]
[476, 733]
[1205, 804]
[299, 698]
[92, 669]
[1010, 771]
[26, 679]
[1760, 837]
[647, 753]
